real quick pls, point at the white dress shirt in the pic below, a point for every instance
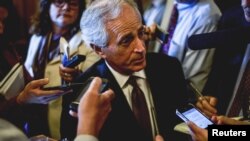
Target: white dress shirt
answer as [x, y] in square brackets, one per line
[199, 17]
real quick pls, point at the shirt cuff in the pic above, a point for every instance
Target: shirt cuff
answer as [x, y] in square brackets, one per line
[85, 138]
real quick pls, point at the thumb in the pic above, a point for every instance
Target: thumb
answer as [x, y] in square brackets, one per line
[38, 83]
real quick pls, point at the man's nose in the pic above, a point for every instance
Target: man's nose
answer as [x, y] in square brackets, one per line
[140, 45]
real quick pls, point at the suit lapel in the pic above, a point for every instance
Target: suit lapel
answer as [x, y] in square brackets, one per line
[120, 106]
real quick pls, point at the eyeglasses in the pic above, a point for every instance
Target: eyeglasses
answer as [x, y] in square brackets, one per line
[71, 3]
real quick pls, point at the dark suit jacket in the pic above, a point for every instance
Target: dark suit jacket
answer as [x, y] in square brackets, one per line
[167, 85]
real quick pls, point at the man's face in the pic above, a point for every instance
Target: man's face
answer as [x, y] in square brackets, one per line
[126, 50]
[246, 7]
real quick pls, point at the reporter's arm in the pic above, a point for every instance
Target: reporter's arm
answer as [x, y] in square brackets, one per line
[93, 110]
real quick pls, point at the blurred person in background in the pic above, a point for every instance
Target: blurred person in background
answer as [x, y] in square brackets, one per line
[193, 17]
[12, 107]
[199, 134]
[55, 26]
[10, 44]
[154, 13]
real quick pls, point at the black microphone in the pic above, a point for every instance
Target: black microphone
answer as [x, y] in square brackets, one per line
[221, 38]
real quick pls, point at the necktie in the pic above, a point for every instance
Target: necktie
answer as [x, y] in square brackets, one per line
[241, 100]
[172, 25]
[139, 106]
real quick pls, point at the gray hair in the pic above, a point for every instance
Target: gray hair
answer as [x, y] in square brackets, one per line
[95, 17]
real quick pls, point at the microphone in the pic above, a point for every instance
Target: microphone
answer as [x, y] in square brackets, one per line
[221, 38]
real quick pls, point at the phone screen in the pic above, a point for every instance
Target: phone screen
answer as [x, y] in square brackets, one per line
[196, 117]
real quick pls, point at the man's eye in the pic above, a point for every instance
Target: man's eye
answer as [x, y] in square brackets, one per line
[127, 40]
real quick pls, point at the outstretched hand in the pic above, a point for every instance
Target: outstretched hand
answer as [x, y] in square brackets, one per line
[33, 93]
[93, 109]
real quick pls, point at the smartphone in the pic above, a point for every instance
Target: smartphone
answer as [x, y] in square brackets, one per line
[161, 35]
[191, 113]
[61, 87]
[74, 61]
[74, 105]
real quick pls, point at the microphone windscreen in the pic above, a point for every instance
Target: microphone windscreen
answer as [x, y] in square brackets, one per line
[221, 38]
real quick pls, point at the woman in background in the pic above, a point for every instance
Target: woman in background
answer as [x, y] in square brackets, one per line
[55, 26]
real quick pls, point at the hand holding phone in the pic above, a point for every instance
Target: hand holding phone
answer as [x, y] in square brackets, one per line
[74, 61]
[63, 87]
[191, 113]
[74, 105]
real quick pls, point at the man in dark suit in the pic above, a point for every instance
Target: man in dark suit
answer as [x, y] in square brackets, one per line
[113, 28]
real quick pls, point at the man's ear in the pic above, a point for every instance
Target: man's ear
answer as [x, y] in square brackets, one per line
[98, 50]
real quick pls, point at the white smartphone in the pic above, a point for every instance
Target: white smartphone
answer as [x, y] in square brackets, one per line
[190, 113]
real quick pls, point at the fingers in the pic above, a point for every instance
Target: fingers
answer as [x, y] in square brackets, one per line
[212, 100]
[226, 120]
[194, 128]
[207, 106]
[95, 85]
[149, 32]
[197, 133]
[37, 83]
[107, 97]
[68, 74]
[152, 28]
[109, 94]
[159, 138]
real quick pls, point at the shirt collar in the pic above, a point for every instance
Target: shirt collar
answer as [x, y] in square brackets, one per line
[122, 79]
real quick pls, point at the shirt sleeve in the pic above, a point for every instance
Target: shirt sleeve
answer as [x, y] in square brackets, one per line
[86, 138]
